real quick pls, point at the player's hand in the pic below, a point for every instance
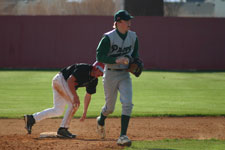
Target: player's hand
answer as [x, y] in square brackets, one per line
[122, 60]
[83, 117]
[76, 102]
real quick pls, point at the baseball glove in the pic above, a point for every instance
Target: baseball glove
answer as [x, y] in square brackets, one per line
[136, 66]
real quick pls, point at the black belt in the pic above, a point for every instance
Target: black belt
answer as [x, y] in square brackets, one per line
[116, 69]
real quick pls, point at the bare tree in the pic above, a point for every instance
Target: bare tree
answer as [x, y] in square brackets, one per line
[57, 7]
[171, 9]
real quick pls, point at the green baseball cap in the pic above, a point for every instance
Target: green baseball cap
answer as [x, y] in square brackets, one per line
[122, 15]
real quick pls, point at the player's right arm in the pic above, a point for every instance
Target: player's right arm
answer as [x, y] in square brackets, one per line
[71, 81]
[102, 51]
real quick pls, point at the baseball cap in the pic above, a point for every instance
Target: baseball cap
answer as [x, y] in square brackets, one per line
[98, 65]
[122, 15]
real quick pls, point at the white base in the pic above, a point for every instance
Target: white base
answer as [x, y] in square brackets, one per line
[48, 135]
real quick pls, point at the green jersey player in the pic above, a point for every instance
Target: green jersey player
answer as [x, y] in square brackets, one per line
[114, 50]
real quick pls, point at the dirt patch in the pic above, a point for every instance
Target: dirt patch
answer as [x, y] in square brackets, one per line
[13, 136]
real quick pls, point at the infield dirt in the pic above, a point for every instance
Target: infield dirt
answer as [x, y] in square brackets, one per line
[13, 136]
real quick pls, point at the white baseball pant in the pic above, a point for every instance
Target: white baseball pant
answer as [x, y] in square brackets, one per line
[61, 96]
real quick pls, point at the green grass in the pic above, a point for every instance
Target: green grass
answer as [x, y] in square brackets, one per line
[179, 94]
[178, 145]
[155, 93]
[23, 92]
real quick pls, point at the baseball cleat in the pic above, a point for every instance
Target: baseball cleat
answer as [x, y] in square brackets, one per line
[100, 129]
[124, 141]
[29, 122]
[64, 133]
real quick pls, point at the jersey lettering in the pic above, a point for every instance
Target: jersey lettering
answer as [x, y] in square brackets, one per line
[118, 51]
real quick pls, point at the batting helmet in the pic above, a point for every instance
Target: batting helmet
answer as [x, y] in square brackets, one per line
[98, 65]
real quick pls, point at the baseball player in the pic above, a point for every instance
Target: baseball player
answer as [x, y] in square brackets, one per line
[64, 85]
[114, 49]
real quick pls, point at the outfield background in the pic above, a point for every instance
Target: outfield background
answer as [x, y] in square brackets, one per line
[165, 42]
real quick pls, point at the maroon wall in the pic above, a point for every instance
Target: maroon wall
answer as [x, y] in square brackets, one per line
[57, 41]
[182, 43]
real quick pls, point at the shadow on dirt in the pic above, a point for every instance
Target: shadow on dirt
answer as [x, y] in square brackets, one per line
[78, 139]
[160, 149]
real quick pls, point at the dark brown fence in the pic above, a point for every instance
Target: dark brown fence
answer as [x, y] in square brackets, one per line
[58, 41]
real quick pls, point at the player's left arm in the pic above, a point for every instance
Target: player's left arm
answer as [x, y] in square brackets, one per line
[90, 89]
[135, 53]
[136, 65]
[87, 100]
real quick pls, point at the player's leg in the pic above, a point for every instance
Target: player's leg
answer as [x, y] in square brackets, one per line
[55, 111]
[125, 88]
[63, 130]
[71, 110]
[110, 91]
[108, 108]
[58, 101]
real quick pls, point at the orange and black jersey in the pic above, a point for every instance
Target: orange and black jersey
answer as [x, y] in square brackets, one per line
[82, 73]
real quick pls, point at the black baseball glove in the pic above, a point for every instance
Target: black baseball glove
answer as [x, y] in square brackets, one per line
[136, 66]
